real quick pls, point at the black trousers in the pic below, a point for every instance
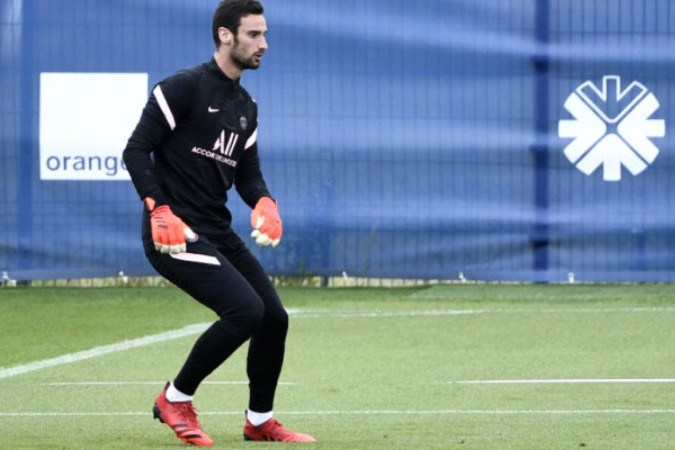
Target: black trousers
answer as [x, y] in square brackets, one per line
[225, 276]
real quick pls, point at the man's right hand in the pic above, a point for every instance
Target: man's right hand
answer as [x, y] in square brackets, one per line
[169, 232]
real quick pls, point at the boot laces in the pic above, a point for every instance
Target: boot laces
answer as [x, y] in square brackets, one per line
[189, 414]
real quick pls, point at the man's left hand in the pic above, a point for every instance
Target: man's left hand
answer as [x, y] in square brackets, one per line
[267, 223]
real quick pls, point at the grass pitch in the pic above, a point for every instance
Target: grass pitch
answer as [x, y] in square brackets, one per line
[451, 367]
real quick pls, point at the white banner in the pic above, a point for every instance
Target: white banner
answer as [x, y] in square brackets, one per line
[85, 122]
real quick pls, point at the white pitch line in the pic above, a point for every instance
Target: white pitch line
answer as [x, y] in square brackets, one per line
[302, 313]
[102, 350]
[147, 383]
[7, 372]
[493, 412]
[573, 381]
[384, 314]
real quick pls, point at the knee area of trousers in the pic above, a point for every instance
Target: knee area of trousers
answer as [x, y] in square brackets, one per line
[252, 318]
[243, 324]
[255, 319]
[281, 319]
[277, 321]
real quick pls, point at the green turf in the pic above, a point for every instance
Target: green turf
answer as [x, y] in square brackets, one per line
[365, 368]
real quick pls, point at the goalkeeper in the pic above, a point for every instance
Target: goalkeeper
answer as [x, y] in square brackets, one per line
[197, 138]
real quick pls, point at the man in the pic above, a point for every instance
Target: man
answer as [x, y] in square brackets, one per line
[196, 139]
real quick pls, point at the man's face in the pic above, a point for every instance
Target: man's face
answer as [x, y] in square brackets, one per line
[250, 43]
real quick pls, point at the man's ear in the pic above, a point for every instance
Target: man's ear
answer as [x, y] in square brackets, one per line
[225, 35]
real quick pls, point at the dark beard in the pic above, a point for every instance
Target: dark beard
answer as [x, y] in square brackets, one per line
[242, 63]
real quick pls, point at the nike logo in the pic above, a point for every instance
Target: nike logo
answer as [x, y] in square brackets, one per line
[213, 110]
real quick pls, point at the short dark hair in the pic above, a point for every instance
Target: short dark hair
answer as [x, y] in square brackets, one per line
[228, 14]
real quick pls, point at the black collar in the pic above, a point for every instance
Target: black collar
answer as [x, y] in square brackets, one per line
[213, 67]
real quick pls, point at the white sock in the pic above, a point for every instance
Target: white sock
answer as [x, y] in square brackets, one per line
[174, 395]
[257, 418]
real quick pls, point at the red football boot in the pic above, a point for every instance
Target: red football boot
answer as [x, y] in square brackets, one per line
[182, 418]
[273, 431]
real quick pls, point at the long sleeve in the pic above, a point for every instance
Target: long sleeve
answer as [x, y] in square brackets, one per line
[164, 110]
[249, 180]
[151, 130]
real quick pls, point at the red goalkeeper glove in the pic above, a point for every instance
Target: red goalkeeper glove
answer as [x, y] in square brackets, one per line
[168, 231]
[267, 223]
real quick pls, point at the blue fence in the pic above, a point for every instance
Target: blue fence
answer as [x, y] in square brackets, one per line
[500, 139]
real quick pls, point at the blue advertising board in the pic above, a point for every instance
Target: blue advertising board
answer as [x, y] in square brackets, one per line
[489, 140]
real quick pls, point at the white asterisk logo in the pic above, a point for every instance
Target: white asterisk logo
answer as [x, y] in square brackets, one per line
[611, 127]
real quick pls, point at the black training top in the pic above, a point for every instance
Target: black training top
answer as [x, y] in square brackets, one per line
[195, 139]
